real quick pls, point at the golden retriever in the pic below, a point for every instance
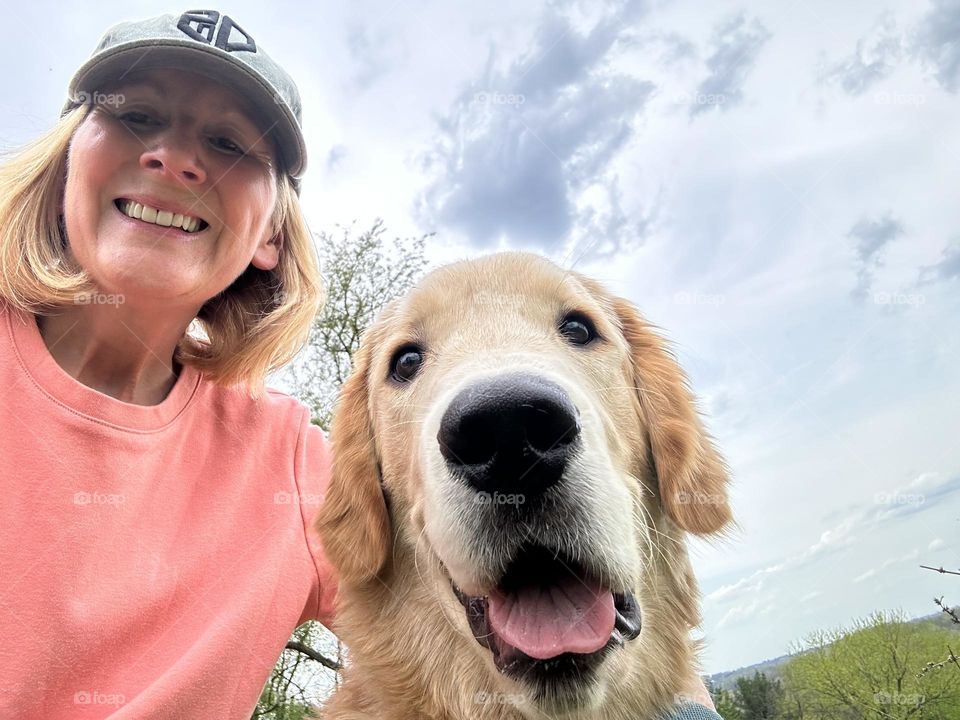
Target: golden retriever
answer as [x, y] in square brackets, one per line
[516, 461]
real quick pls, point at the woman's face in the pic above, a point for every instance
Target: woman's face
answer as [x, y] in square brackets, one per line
[174, 146]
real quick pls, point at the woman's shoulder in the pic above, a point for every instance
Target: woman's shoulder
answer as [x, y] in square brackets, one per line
[273, 414]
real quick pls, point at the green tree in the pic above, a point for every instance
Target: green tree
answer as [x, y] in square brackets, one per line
[362, 273]
[759, 697]
[872, 671]
[726, 704]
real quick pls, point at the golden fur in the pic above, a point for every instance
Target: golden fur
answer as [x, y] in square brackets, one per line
[411, 654]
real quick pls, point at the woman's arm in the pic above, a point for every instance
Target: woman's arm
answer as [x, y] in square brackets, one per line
[694, 703]
[690, 711]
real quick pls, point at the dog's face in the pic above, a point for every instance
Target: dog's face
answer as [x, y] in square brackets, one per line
[538, 449]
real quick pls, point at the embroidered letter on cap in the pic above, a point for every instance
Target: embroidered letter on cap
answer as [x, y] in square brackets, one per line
[206, 23]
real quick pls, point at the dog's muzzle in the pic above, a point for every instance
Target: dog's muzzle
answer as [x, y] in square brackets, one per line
[548, 618]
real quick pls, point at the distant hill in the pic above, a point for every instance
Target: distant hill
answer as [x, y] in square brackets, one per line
[772, 668]
[727, 680]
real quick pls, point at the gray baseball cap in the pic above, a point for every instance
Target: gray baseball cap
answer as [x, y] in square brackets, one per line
[209, 43]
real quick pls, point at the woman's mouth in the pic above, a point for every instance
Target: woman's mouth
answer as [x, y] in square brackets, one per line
[163, 218]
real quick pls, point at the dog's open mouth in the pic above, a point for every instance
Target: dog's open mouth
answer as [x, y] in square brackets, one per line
[550, 617]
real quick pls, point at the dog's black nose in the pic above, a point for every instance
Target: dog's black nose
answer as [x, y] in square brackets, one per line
[511, 434]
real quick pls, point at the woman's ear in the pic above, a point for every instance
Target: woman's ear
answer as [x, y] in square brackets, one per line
[267, 254]
[353, 521]
[691, 474]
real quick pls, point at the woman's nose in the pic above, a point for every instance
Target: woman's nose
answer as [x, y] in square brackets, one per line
[175, 155]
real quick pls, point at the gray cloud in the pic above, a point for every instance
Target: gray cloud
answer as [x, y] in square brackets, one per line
[335, 156]
[871, 237]
[520, 146]
[947, 268]
[937, 43]
[737, 43]
[874, 58]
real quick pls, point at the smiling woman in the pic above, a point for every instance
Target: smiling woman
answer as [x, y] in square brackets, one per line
[154, 267]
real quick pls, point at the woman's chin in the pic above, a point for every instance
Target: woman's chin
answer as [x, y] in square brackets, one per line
[144, 287]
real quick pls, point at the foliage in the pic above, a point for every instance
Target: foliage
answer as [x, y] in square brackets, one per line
[872, 671]
[726, 704]
[362, 273]
[759, 697]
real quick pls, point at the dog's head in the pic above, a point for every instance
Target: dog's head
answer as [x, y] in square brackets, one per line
[528, 439]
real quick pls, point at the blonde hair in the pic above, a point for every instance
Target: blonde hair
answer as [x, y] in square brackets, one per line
[255, 326]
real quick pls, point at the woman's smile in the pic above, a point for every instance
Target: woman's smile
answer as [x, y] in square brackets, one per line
[151, 214]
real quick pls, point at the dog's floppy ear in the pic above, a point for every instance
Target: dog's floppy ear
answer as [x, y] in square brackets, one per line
[691, 474]
[353, 522]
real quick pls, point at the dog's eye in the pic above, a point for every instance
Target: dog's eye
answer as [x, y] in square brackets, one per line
[406, 363]
[577, 329]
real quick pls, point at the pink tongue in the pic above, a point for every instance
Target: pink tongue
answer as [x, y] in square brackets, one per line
[574, 616]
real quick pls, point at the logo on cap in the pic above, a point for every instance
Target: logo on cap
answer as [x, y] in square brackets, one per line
[202, 24]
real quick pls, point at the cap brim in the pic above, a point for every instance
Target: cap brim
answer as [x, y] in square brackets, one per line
[113, 65]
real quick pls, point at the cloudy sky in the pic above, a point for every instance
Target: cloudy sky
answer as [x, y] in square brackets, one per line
[775, 184]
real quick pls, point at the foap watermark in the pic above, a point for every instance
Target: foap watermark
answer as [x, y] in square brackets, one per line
[501, 301]
[288, 498]
[699, 98]
[699, 498]
[912, 699]
[499, 498]
[498, 98]
[97, 98]
[98, 298]
[685, 297]
[96, 697]
[898, 498]
[894, 98]
[98, 498]
[899, 298]
[482, 697]
[682, 699]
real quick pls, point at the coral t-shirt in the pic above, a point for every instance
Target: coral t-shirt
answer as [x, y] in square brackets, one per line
[153, 560]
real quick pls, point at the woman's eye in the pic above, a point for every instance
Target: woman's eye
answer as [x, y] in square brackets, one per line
[228, 145]
[137, 118]
[406, 363]
[578, 330]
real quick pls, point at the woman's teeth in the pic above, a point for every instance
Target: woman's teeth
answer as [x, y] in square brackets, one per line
[159, 217]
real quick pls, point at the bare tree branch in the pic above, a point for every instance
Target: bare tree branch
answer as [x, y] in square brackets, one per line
[946, 608]
[940, 570]
[313, 655]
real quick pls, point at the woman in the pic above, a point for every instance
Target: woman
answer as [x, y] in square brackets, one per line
[155, 531]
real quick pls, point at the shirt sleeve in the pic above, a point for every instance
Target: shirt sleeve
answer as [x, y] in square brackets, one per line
[313, 477]
[689, 711]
